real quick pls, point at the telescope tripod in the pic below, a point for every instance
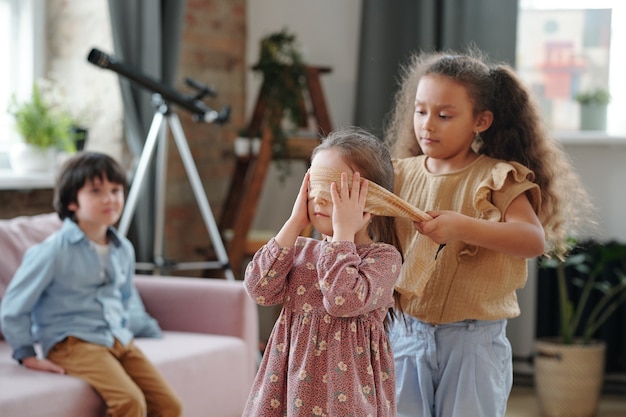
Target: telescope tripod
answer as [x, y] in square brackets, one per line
[157, 137]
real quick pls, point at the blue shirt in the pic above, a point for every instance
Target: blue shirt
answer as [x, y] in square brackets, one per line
[63, 289]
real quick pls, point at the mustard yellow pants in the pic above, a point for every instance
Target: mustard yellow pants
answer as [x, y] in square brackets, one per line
[126, 380]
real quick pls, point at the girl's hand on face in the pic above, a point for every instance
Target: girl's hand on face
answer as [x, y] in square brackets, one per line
[299, 218]
[299, 213]
[348, 204]
[444, 226]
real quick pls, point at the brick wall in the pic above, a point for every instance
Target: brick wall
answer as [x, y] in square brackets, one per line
[212, 52]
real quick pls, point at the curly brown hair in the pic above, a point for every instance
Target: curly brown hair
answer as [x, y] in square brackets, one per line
[516, 134]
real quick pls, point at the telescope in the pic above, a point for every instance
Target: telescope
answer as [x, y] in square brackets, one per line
[193, 103]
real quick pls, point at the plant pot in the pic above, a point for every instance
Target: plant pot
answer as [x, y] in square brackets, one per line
[247, 146]
[25, 159]
[593, 116]
[569, 378]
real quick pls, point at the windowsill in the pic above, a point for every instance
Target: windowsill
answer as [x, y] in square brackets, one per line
[590, 138]
[10, 180]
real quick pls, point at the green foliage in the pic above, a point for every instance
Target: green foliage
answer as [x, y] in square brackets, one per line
[284, 74]
[41, 123]
[596, 96]
[584, 268]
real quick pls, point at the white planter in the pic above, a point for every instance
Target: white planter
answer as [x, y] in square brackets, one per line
[593, 116]
[25, 158]
[246, 146]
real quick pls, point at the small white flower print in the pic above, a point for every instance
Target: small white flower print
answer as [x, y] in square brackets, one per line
[301, 290]
[339, 300]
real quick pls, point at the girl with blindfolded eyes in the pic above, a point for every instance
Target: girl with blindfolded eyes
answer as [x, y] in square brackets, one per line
[328, 353]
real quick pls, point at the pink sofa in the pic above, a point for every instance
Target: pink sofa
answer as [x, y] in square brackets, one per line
[208, 351]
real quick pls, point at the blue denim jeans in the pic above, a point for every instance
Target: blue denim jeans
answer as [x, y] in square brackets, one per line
[451, 370]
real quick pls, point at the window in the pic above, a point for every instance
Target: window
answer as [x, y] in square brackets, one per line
[568, 46]
[22, 48]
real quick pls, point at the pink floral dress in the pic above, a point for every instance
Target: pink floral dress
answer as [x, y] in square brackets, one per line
[328, 354]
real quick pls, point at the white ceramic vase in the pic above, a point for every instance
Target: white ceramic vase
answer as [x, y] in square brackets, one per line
[247, 146]
[25, 158]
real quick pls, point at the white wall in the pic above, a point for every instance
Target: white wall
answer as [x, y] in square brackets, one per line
[328, 33]
[601, 163]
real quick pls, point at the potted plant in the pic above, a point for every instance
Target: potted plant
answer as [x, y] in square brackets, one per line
[569, 369]
[284, 75]
[245, 145]
[593, 105]
[45, 127]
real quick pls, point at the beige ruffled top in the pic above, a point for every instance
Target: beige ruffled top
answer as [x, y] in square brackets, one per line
[461, 281]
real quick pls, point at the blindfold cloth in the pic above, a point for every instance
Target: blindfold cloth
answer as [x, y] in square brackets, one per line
[380, 201]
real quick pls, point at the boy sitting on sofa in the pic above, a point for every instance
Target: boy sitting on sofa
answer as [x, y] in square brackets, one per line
[74, 294]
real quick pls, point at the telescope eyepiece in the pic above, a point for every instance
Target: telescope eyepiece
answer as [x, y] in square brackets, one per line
[99, 58]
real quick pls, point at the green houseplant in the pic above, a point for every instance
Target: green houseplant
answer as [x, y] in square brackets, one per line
[584, 268]
[284, 75]
[45, 126]
[594, 96]
[43, 123]
[569, 369]
[593, 106]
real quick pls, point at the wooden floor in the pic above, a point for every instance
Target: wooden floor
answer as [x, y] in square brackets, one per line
[523, 403]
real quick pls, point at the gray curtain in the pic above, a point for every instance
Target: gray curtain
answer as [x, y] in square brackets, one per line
[146, 37]
[392, 30]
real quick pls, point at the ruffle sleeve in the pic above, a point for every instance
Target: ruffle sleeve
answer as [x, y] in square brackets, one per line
[507, 181]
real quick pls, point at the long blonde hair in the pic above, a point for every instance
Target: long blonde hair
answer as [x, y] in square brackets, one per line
[516, 134]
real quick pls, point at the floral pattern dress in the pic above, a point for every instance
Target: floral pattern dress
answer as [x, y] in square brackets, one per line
[328, 354]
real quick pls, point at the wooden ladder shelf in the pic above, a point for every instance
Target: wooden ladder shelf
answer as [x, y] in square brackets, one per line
[250, 172]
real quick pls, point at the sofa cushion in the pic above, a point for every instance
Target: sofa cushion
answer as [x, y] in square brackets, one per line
[17, 235]
[191, 362]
